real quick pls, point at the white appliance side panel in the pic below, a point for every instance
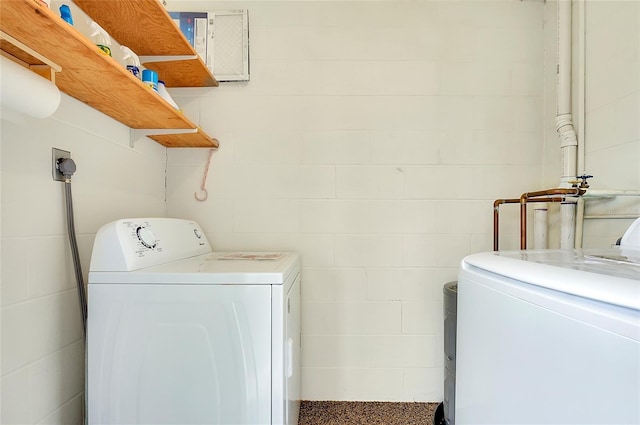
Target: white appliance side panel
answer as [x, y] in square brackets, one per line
[293, 354]
[521, 362]
[278, 342]
[179, 354]
[294, 357]
[286, 352]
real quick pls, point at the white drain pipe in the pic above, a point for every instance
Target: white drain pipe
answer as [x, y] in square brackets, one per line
[568, 225]
[564, 122]
[540, 225]
[582, 78]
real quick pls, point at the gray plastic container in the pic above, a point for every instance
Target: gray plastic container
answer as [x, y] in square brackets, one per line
[450, 291]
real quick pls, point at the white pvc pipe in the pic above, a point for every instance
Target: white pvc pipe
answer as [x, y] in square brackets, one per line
[540, 228]
[567, 225]
[613, 216]
[564, 124]
[579, 223]
[610, 193]
[564, 121]
[581, 116]
[564, 58]
[582, 83]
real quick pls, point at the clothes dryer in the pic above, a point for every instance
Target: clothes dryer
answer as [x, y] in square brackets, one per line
[183, 335]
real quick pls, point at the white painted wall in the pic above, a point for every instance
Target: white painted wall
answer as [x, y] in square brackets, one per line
[42, 351]
[357, 116]
[612, 140]
[373, 138]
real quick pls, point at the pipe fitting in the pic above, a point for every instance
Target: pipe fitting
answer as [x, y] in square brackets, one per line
[566, 131]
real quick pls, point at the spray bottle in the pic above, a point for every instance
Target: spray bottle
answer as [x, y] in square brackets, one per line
[131, 61]
[100, 37]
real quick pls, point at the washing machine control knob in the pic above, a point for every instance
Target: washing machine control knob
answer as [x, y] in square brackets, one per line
[146, 237]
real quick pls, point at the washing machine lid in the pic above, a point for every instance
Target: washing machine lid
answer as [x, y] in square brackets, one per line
[230, 268]
[606, 275]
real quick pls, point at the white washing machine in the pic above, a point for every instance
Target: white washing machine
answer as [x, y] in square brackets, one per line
[549, 337]
[178, 334]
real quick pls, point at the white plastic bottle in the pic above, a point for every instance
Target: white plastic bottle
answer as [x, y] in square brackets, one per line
[100, 37]
[162, 91]
[132, 63]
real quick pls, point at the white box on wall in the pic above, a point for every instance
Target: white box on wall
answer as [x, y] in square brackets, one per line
[221, 38]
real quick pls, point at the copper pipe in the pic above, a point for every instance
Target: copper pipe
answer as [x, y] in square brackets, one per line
[496, 212]
[496, 220]
[549, 195]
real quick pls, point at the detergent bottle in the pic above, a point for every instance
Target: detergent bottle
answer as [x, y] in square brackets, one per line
[101, 38]
[162, 91]
[132, 63]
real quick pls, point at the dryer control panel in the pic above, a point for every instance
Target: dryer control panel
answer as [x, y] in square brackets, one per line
[131, 244]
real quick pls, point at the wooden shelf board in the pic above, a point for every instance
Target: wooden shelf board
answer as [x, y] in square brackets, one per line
[93, 78]
[187, 140]
[19, 54]
[185, 73]
[152, 33]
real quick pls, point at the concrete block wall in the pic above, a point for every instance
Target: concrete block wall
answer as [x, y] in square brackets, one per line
[373, 138]
[42, 347]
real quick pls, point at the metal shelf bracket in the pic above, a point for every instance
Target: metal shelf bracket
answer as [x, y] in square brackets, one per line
[148, 59]
[136, 134]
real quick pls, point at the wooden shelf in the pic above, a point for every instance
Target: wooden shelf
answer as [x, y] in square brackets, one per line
[93, 78]
[151, 33]
[27, 57]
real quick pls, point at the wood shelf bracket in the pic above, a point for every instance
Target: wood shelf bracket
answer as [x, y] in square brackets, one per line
[136, 134]
[45, 68]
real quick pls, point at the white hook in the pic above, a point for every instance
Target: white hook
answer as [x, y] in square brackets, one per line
[203, 195]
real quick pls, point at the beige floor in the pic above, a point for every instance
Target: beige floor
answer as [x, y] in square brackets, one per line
[365, 413]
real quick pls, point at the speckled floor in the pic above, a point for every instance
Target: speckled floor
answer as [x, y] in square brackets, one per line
[365, 413]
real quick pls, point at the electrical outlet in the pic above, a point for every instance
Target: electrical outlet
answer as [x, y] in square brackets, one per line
[56, 154]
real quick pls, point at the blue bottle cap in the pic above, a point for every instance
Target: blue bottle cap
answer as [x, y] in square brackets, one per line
[150, 78]
[65, 13]
[149, 75]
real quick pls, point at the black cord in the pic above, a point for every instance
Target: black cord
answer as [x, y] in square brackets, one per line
[82, 299]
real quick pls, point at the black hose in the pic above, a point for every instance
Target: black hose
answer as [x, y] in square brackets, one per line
[82, 298]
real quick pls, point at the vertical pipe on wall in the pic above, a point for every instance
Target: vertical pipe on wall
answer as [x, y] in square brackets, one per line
[581, 115]
[581, 86]
[540, 227]
[564, 122]
[579, 223]
[567, 225]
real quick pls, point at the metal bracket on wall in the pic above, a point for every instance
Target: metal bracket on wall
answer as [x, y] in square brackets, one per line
[136, 134]
[150, 59]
